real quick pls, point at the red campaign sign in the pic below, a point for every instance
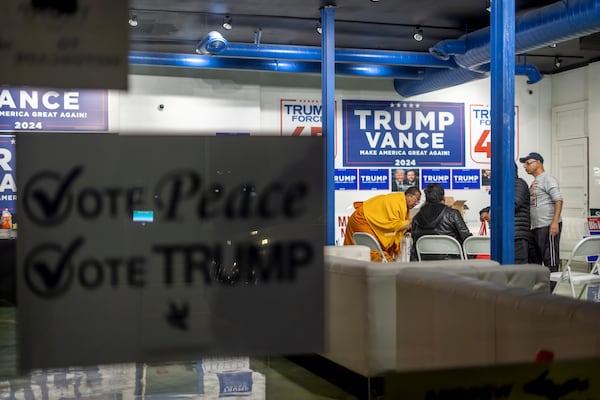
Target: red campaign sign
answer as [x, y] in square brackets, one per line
[314, 131]
[594, 224]
[301, 117]
[480, 147]
[484, 144]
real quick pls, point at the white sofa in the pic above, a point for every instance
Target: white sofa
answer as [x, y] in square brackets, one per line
[455, 321]
[360, 303]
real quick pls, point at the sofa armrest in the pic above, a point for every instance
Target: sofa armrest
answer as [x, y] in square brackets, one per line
[360, 312]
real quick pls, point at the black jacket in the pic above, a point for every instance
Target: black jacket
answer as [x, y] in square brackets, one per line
[522, 217]
[438, 219]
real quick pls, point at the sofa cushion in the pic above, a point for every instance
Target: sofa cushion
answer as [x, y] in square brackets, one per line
[357, 252]
[441, 322]
[529, 276]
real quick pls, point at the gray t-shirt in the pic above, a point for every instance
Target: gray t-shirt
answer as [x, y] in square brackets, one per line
[543, 192]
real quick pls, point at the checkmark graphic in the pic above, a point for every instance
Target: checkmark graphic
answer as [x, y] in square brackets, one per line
[50, 205]
[51, 276]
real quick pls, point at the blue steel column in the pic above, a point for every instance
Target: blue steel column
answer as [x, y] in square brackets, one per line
[328, 116]
[502, 43]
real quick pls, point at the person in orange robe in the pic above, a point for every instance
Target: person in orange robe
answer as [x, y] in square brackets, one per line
[386, 217]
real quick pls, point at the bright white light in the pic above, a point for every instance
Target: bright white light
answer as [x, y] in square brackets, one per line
[133, 20]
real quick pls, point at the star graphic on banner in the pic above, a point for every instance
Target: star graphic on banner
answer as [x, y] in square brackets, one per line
[12, 141]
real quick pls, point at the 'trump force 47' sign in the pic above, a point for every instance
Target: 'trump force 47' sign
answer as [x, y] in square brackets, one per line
[213, 251]
[403, 134]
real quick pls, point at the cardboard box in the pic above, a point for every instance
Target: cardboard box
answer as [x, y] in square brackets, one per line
[459, 205]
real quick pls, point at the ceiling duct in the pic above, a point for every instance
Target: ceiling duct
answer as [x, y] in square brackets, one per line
[535, 29]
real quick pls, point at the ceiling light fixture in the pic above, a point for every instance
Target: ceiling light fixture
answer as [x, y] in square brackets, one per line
[418, 36]
[133, 20]
[557, 62]
[227, 23]
[319, 28]
[212, 43]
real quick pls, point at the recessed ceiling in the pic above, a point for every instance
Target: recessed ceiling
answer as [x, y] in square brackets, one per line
[176, 26]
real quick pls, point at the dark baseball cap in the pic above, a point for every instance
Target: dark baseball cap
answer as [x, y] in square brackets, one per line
[532, 156]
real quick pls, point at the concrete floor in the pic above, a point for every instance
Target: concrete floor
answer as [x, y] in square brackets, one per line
[268, 378]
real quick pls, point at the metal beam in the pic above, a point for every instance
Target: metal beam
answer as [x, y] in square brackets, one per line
[328, 100]
[503, 131]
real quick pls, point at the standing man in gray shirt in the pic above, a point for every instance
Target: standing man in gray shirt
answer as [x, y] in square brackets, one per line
[545, 207]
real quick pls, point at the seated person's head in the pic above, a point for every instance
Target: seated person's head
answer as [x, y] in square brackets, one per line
[434, 193]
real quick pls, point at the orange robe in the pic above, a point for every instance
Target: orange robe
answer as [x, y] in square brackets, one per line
[386, 217]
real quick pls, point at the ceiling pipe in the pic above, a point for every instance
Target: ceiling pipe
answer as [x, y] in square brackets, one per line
[530, 71]
[535, 29]
[309, 67]
[446, 48]
[436, 80]
[311, 53]
[442, 79]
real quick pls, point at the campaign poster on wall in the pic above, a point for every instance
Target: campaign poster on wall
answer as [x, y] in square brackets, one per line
[466, 179]
[480, 144]
[8, 187]
[379, 133]
[402, 179]
[441, 176]
[51, 110]
[345, 179]
[373, 179]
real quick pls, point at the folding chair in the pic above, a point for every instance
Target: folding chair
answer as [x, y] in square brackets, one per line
[476, 246]
[438, 244]
[589, 246]
[366, 239]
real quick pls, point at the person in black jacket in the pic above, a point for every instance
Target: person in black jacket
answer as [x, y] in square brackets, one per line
[436, 218]
[523, 236]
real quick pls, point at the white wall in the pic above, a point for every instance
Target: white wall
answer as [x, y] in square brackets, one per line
[577, 86]
[205, 102]
[593, 94]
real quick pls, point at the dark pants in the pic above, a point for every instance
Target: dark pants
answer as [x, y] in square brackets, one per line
[521, 251]
[546, 247]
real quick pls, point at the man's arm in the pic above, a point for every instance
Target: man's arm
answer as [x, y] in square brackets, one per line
[556, 217]
[461, 227]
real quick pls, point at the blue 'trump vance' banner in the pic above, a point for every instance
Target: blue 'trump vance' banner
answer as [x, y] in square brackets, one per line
[403, 134]
[8, 187]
